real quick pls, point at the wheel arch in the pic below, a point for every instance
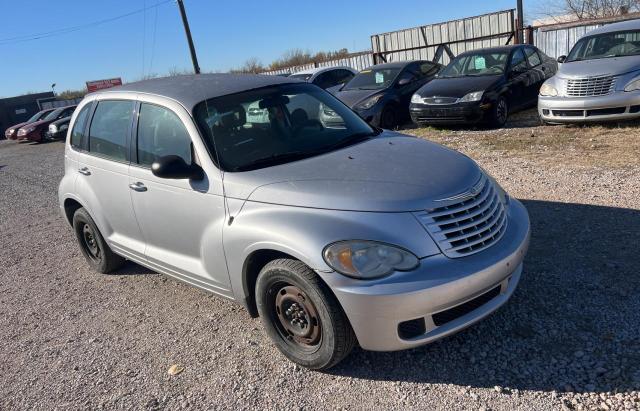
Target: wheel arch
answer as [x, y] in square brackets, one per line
[253, 263]
[71, 205]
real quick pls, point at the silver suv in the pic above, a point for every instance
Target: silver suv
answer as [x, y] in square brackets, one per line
[331, 235]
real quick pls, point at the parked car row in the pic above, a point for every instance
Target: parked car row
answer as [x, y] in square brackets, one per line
[479, 86]
[46, 124]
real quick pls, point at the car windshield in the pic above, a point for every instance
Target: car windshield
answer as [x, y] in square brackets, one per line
[54, 114]
[304, 77]
[275, 125]
[476, 64]
[37, 116]
[373, 78]
[618, 44]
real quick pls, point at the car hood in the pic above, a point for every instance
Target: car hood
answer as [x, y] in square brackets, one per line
[38, 123]
[62, 121]
[599, 67]
[389, 173]
[353, 97]
[17, 126]
[457, 86]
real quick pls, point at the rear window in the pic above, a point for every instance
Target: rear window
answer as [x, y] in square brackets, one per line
[77, 133]
[109, 129]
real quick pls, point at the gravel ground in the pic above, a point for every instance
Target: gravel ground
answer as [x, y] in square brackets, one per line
[568, 339]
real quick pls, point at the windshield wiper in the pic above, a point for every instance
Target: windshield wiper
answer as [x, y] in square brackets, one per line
[273, 159]
[351, 140]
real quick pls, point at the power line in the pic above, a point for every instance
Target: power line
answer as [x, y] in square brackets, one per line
[153, 40]
[58, 32]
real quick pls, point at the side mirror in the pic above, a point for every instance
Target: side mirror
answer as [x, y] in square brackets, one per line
[174, 167]
[562, 59]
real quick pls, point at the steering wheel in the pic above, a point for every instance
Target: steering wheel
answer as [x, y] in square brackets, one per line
[308, 124]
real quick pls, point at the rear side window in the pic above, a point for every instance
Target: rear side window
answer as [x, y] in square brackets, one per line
[161, 133]
[109, 129]
[77, 133]
[518, 61]
[532, 56]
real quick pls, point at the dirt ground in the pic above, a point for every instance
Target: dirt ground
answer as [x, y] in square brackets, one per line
[569, 338]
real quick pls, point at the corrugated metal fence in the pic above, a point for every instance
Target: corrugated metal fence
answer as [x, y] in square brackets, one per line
[557, 40]
[358, 61]
[423, 42]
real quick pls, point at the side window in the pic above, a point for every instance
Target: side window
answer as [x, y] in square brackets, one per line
[343, 76]
[161, 133]
[324, 80]
[77, 133]
[518, 62]
[532, 56]
[109, 129]
[408, 76]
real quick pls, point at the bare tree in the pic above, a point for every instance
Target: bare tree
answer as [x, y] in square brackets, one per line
[252, 65]
[591, 9]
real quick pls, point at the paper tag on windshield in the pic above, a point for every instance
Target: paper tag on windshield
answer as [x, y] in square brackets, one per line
[379, 78]
[481, 63]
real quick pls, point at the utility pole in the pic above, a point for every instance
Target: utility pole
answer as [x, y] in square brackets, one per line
[187, 31]
[519, 23]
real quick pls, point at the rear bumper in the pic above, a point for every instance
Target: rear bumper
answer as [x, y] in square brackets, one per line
[617, 106]
[446, 114]
[437, 289]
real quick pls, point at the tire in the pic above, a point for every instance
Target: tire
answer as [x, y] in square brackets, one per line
[93, 246]
[388, 118]
[499, 113]
[287, 290]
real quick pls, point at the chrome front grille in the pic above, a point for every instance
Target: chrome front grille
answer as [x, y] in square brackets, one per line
[472, 221]
[590, 86]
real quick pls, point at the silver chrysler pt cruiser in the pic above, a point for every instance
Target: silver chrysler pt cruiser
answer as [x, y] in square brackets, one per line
[332, 235]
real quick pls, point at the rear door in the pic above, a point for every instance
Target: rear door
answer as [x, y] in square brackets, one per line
[519, 80]
[181, 219]
[103, 180]
[537, 73]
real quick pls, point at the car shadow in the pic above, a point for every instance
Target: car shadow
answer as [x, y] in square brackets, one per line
[131, 268]
[572, 325]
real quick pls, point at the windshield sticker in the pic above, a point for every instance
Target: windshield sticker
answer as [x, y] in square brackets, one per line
[379, 78]
[481, 63]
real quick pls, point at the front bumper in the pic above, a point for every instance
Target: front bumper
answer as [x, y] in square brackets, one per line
[372, 115]
[423, 114]
[54, 136]
[376, 309]
[617, 106]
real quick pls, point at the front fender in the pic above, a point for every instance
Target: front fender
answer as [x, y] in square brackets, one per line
[303, 233]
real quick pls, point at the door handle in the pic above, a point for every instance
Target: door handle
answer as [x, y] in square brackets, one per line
[138, 187]
[84, 171]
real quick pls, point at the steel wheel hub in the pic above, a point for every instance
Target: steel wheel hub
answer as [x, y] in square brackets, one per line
[90, 241]
[297, 315]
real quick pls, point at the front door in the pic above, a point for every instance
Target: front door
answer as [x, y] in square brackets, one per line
[181, 220]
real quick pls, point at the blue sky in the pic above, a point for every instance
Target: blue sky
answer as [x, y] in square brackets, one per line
[225, 33]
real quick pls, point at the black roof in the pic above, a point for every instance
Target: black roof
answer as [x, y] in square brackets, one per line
[190, 90]
[496, 49]
[394, 64]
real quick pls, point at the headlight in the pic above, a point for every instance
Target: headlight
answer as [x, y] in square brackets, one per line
[11, 130]
[633, 85]
[53, 128]
[475, 96]
[548, 90]
[368, 103]
[416, 98]
[368, 259]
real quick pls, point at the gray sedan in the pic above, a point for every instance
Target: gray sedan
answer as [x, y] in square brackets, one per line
[333, 236]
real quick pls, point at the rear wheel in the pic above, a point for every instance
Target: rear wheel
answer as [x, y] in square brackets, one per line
[93, 246]
[302, 316]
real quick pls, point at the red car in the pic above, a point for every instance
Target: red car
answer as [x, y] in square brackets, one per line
[12, 132]
[36, 131]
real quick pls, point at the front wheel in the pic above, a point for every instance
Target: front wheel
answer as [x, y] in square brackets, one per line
[301, 315]
[499, 113]
[389, 118]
